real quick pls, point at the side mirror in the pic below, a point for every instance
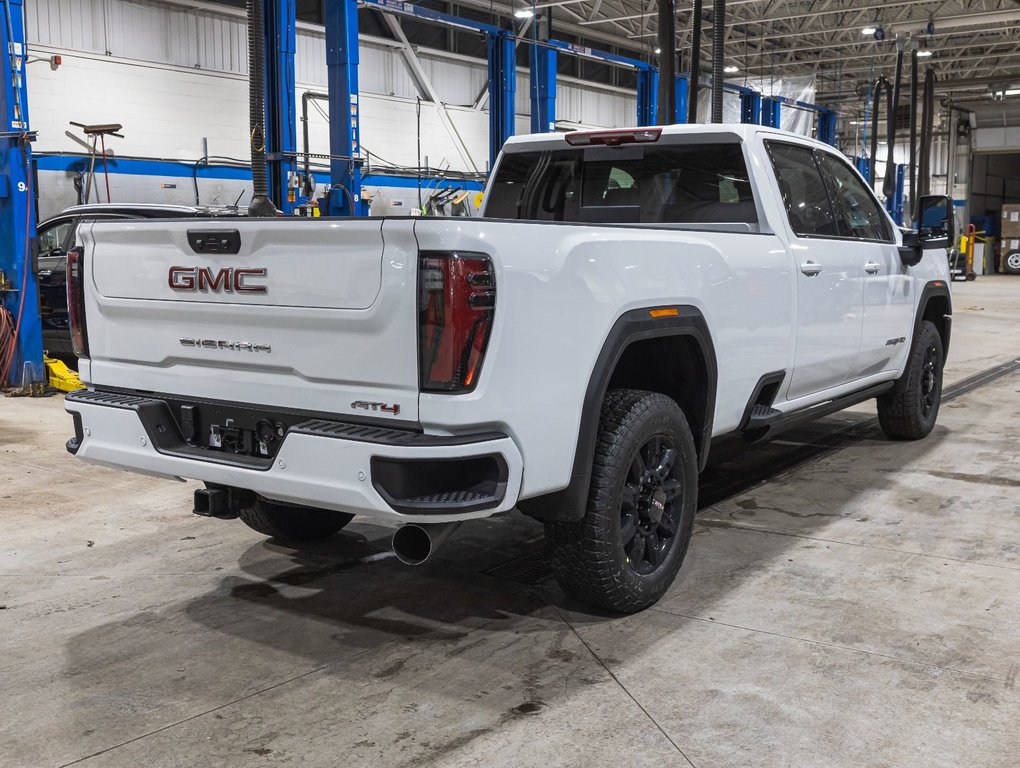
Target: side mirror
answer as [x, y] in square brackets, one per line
[935, 222]
[935, 229]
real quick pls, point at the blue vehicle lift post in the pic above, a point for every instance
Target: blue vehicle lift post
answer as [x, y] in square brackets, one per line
[20, 293]
[281, 107]
[647, 75]
[502, 63]
[344, 196]
[770, 112]
[647, 95]
[681, 99]
[503, 91]
[543, 89]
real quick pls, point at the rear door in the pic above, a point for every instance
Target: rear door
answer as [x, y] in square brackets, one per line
[888, 289]
[310, 315]
[829, 275]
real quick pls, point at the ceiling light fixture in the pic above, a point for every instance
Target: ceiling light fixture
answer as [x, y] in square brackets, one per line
[869, 31]
[924, 54]
[731, 69]
[524, 13]
[658, 50]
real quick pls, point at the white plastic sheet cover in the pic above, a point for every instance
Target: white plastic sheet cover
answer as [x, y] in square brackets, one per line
[798, 88]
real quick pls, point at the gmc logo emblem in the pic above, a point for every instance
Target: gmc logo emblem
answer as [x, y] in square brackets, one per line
[225, 280]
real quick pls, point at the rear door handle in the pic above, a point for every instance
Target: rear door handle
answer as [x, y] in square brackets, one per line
[810, 268]
[872, 268]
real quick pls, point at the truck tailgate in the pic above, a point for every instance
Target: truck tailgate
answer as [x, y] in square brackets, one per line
[309, 315]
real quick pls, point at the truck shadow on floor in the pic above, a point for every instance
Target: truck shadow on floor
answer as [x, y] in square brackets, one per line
[353, 589]
[467, 635]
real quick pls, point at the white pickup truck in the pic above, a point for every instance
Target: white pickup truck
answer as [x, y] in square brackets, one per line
[626, 296]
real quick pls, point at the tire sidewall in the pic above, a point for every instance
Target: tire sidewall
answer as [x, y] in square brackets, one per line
[607, 497]
[927, 335]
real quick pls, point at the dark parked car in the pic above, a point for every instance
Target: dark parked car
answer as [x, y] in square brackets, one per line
[57, 234]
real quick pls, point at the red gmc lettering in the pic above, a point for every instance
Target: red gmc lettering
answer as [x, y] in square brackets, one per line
[206, 281]
[225, 280]
[240, 280]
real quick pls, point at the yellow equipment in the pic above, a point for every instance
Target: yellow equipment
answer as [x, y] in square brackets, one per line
[61, 377]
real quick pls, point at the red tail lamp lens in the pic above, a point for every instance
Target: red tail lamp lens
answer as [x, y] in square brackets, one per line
[456, 303]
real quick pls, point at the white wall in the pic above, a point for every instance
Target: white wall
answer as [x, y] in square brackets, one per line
[173, 76]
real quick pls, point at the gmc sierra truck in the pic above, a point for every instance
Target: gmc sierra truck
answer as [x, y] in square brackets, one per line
[626, 296]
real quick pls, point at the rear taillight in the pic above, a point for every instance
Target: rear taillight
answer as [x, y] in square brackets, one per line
[76, 301]
[456, 302]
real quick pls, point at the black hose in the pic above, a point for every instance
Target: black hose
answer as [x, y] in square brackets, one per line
[912, 207]
[880, 85]
[718, 41]
[889, 186]
[694, 73]
[927, 130]
[260, 204]
[667, 62]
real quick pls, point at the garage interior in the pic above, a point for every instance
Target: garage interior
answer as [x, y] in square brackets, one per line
[847, 600]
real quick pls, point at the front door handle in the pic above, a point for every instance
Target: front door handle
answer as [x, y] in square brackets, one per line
[872, 268]
[810, 268]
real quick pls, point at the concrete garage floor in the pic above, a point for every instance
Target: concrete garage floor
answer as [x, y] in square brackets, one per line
[859, 607]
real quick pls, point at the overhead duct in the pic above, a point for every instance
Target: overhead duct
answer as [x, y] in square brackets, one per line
[962, 21]
[260, 204]
[694, 66]
[718, 43]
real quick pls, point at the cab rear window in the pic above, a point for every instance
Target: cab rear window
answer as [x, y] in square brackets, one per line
[691, 184]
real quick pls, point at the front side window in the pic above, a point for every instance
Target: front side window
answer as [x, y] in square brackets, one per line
[804, 195]
[53, 238]
[859, 215]
[689, 184]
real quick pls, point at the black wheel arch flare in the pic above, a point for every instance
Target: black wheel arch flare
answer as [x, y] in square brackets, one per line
[936, 289]
[633, 326]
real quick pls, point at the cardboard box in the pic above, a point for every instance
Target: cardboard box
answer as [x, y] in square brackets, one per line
[1010, 223]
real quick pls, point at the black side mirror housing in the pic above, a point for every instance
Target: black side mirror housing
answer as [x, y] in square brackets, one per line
[935, 229]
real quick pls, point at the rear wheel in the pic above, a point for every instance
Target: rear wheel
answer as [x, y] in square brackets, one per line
[627, 549]
[289, 522]
[909, 410]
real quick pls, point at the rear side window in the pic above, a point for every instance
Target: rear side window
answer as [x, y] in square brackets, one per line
[705, 183]
[800, 183]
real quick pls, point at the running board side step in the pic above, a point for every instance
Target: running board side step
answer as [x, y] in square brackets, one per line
[765, 421]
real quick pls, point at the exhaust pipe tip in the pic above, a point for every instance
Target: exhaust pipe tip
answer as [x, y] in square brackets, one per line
[413, 544]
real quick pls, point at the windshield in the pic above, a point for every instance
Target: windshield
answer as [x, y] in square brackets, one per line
[690, 184]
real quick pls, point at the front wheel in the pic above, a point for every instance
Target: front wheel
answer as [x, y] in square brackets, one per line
[909, 410]
[289, 522]
[627, 549]
[1011, 263]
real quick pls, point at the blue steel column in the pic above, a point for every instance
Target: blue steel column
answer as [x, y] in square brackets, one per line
[827, 126]
[17, 212]
[647, 95]
[681, 100]
[770, 112]
[502, 92]
[750, 107]
[543, 89]
[281, 108]
[342, 70]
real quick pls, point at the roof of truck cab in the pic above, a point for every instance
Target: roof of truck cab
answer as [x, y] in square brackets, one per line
[742, 130]
[154, 210]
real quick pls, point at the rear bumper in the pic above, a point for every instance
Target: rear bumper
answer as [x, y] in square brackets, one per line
[379, 472]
